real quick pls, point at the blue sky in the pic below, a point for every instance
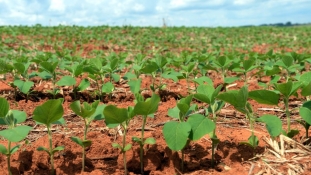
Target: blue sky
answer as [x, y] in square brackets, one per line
[211, 13]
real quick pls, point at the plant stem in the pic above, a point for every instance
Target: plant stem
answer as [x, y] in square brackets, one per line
[287, 113]
[9, 159]
[51, 151]
[142, 145]
[83, 148]
[213, 139]
[182, 160]
[123, 152]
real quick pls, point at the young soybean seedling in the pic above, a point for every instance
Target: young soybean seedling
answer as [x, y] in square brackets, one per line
[13, 133]
[207, 94]
[115, 116]
[51, 112]
[86, 112]
[145, 109]
[287, 90]
[178, 134]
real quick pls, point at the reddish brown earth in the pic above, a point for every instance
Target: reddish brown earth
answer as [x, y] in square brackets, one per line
[231, 157]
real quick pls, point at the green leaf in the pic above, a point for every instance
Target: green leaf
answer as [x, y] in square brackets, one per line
[107, 87]
[41, 148]
[116, 145]
[306, 90]
[305, 77]
[15, 134]
[4, 107]
[273, 124]
[150, 106]
[265, 97]
[173, 112]
[115, 77]
[59, 148]
[66, 81]
[203, 79]
[14, 149]
[49, 112]
[135, 85]
[85, 83]
[3, 150]
[49, 66]
[200, 126]
[127, 147]
[149, 68]
[229, 80]
[236, 98]
[288, 89]
[83, 143]
[176, 134]
[150, 141]
[115, 115]
[205, 93]
[19, 116]
[99, 115]
[86, 110]
[23, 86]
[305, 113]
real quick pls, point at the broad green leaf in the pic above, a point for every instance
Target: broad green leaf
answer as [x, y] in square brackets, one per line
[288, 61]
[150, 141]
[85, 83]
[49, 112]
[19, 67]
[129, 76]
[19, 116]
[3, 150]
[200, 126]
[205, 93]
[115, 77]
[305, 77]
[83, 143]
[4, 107]
[107, 87]
[248, 65]
[236, 98]
[135, 85]
[149, 68]
[116, 145]
[49, 66]
[59, 148]
[45, 75]
[99, 115]
[306, 90]
[305, 113]
[86, 110]
[273, 124]
[288, 89]
[265, 97]
[203, 79]
[14, 149]
[15, 134]
[229, 80]
[127, 147]
[66, 81]
[173, 112]
[23, 86]
[176, 134]
[115, 115]
[150, 106]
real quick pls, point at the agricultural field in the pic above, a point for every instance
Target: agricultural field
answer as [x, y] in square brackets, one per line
[147, 100]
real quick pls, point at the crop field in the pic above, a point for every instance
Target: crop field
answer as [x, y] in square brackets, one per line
[147, 100]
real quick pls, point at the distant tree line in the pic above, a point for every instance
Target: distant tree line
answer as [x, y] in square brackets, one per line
[287, 24]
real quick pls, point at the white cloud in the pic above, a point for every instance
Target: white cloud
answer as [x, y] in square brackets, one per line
[57, 5]
[151, 13]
